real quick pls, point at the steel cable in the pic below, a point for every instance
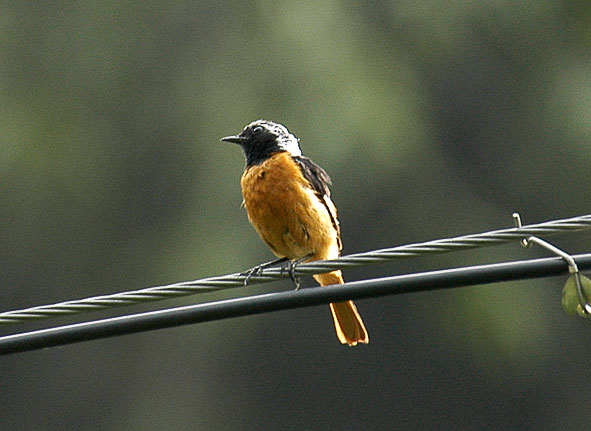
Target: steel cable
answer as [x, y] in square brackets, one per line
[257, 304]
[186, 288]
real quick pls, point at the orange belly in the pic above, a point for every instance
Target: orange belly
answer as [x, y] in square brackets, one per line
[290, 217]
[286, 212]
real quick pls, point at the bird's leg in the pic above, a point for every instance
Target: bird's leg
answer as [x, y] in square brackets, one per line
[259, 268]
[291, 267]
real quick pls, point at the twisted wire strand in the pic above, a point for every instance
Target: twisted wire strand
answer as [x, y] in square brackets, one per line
[286, 300]
[211, 284]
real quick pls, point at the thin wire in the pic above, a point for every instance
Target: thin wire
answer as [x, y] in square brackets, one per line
[572, 265]
[186, 288]
[257, 304]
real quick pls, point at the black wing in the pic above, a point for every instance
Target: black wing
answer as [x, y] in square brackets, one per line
[316, 176]
[320, 182]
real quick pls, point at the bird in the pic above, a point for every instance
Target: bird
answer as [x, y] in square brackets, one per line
[287, 200]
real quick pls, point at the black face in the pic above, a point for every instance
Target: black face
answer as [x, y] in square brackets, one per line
[257, 142]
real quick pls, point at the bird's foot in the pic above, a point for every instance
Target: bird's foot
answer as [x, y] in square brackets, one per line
[291, 268]
[252, 272]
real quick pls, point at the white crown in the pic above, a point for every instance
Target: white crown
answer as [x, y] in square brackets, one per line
[285, 140]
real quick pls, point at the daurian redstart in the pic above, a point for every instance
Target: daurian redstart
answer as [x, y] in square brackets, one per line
[287, 198]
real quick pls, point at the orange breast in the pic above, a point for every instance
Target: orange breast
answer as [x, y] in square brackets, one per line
[286, 212]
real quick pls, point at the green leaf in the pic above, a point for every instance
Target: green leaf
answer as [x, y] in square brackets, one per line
[570, 297]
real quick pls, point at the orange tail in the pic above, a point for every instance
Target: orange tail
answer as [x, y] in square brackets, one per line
[347, 321]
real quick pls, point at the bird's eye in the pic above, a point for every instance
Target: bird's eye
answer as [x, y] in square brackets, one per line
[256, 130]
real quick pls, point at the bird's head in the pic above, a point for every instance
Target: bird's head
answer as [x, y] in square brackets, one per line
[262, 138]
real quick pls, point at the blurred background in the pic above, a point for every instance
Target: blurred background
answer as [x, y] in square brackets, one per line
[434, 119]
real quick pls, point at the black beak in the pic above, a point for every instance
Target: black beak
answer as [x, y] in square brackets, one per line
[234, 139]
